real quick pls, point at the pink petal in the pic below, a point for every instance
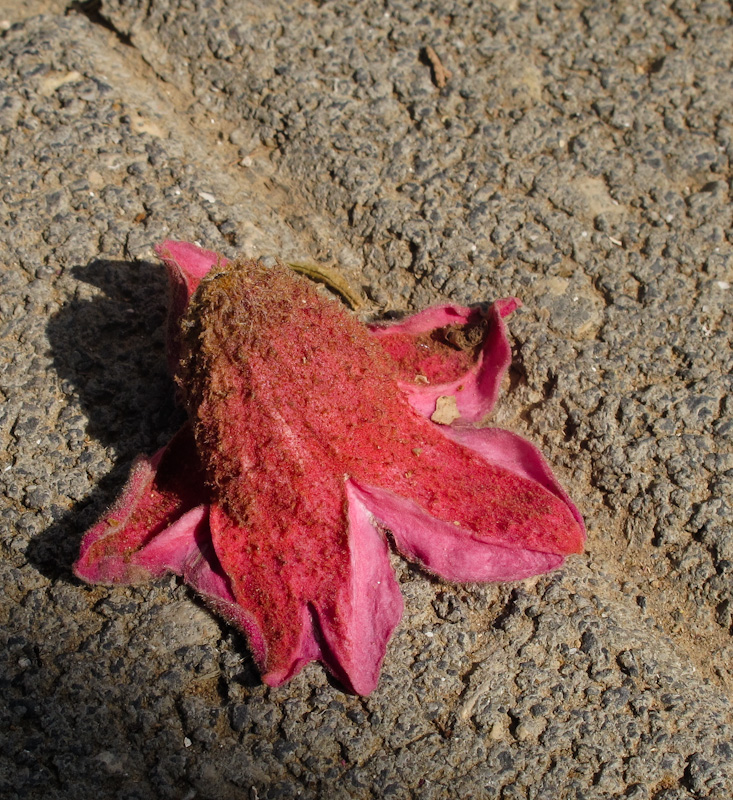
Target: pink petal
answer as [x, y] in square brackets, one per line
[158, 525]
[190, 554]
[187, 264]
[514, 453]
[357, 624]
[176, 549]
[185, 548]
[345, 624]
[160, 493]
[425, 321]
[448, 550]
[474, 381]
[279, 629]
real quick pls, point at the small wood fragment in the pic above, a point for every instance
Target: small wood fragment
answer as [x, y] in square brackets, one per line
[441, 75]
[446, 410]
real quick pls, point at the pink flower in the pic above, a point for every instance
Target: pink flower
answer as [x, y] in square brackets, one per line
[312, 440]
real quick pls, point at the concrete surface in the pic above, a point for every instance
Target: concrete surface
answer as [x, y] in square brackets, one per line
[578, 155]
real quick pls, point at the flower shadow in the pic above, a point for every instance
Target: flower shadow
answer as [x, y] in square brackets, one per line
[108, 350]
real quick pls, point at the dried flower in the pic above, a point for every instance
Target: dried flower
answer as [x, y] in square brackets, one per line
[311, 438]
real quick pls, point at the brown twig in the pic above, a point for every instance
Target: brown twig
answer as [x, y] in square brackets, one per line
[333, 280]
[441, 75]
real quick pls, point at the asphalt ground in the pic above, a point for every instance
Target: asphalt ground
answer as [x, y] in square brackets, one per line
[576, 155]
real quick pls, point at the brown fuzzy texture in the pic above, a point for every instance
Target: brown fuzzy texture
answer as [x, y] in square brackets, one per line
[250, 333]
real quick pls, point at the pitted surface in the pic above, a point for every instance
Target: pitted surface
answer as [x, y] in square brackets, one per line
[578, 157]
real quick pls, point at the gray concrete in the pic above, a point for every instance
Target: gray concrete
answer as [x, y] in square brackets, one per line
[577, 156]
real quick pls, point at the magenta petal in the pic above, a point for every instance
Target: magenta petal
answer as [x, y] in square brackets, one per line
[357, 624]
[278, 657]
[424, 321]
[165, 493]
[496, 357]
[102, 557]
[307, 650]
[185, 548]
[346, 627]
[509, 450]
[176, 547]
[186, 264]
[447, 550]
[476, 388]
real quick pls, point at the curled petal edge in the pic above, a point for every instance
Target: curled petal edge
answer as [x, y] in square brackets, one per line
[475, 391]
[186, 264]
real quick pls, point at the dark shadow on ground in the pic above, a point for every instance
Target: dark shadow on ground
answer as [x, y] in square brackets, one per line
[109, 352]
[96, 712]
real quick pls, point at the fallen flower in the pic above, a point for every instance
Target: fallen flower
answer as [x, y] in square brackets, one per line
[309, 438]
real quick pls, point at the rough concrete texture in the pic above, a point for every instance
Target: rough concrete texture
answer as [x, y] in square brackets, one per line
[578, 155]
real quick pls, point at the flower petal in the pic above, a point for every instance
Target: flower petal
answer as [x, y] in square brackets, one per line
[185, 548]
[437, 356]
[450, 551]
[158, 494]
[279, 627]
[187, 264]
[357, 623]
[514, 453]
[345, 622]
